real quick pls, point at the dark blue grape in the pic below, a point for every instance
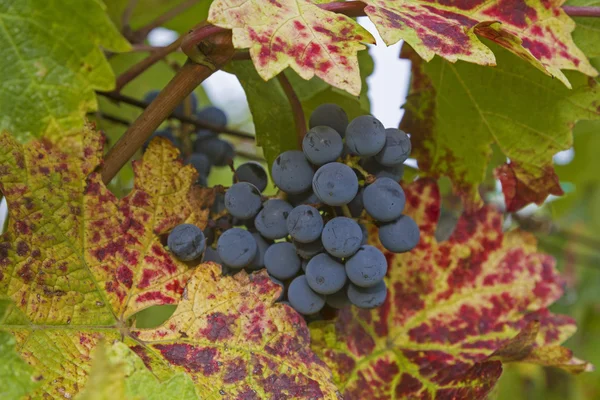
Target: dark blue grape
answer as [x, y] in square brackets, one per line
[193, 105]
[303, 299]
[322, 145]
[305, 224]
[341, 237]
[396, 150]
[400, 236]
[291, 172]
[282, 261]
[203, 134]
[201, 162]
[304, 264]
[212, 115]
[365, 136]
[186, 242]
[211, 255]
[243, 200]
[367, 267]
[271, 220]
[219, 151]
[325, 275]
[395, 172]
[338, 299]
[356, 206]
[261, 248]
[370, 297]
[309, 250]
[330, 115]
[218, 205]
[253, 173]
[236, 248]
[151, 95]
[335, 184]
[384, 200]
[365, 233]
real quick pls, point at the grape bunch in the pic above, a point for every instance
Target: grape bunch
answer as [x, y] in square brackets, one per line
[312, 237]
[208, 149]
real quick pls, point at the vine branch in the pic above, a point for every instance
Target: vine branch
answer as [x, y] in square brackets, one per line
[181, 117]
[181, 86]
[297, 110]
[583, 11]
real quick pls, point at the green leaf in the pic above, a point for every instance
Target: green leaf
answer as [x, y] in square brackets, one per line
[587, 31]
[52, 63]
[455, 112]
[13, 369]
[270, 108]
[118, 373]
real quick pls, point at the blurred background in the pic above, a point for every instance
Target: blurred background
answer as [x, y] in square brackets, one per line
[567, 227]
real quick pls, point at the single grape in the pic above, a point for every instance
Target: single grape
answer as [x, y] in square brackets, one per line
[218, 205]
[307, 251]
[400, 236]
[330, 115]
[302, 298]
[384, 200]
[305, 224]
[370, 297]
[322, 145]
[308, 197]
[253, 173]
[262, 245]
[396, 150]
[203, 134]
[291, 172]
[365, 233]
[164, 133]
[278, 282]
[325, 275]
[271, 220]
[365, 136]
[341, 237]
[395, 172]
[243, 200]
[200, 162]
[282, 261]
[367, 267]
[186, 242]
[338, 299]
[236, 247]
[212, 115]
[219, 151]
[356, 204]
[304, 264]
[335, 184]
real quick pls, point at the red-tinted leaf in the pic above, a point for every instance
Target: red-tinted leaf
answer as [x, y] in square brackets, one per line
[455, 310]
[537, 31]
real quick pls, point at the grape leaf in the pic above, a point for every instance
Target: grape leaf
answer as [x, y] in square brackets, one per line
[298, 34]
[52, 63]
[456, 111]
[587, 31]
[77, 263]
[538, 32]
[455, 311]
[13, 370]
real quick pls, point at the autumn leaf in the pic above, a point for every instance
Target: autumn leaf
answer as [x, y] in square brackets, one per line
[455, 311]
[76, 264]
[455, 112]
[538, 32]
[52, 63]
[296, 34]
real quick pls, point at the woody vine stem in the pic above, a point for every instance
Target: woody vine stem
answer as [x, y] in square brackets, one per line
[209, 48]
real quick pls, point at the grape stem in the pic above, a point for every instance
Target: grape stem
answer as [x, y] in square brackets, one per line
[297, 110]
[181, 86]
[183, 118]
[346, 211]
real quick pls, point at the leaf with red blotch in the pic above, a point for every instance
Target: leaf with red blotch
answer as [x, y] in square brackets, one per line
[456, 112]
[76, 263]
[455, 311]
[296, 34]
[538, 32]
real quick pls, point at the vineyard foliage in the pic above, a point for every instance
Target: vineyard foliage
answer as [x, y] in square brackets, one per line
[497, 89]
